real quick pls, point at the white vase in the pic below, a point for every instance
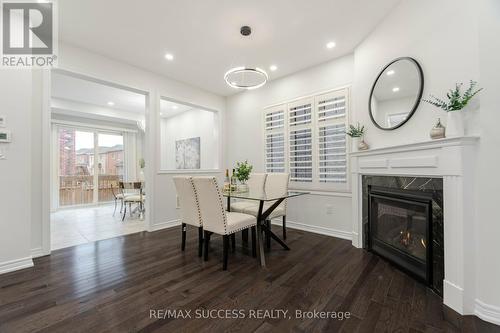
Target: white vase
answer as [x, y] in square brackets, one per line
[455, 124]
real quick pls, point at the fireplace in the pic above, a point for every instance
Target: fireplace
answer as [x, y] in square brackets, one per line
[403, 223]
[400, 229]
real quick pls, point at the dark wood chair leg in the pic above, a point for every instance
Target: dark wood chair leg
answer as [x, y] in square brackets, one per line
[244, 236]
[254, 243]
[183, 244]
[124, 213]
[233, 242]
[206, 240]
[225, 240]
[284, 226]
[200, 241]
[268, 238]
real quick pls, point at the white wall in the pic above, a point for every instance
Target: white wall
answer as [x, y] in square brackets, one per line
[15, 170]
[487, 223]
[191, 124]
[417, 29]
[328, 214]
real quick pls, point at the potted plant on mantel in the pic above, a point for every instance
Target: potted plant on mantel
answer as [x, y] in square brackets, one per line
[453, 106]
[243, 170]
[357, 133]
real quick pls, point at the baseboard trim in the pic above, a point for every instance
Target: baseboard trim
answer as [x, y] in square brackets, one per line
[453, 296]
[14, 265]
[316, 229]
[165, 225]
[487, 312]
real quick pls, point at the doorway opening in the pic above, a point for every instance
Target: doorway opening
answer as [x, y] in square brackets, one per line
[97, 161]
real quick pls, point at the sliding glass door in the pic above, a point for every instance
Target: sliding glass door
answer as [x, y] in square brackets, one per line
[87, 158]
[76, 166]
[111, 167]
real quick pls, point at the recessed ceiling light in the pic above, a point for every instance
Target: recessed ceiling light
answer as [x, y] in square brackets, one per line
[390, 72]
[169, 56]
[330, 45]
[175, 107]
[273, 67]
[395, 89]
[111, 103]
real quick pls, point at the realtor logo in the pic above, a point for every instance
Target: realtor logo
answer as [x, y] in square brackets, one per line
[28, 34]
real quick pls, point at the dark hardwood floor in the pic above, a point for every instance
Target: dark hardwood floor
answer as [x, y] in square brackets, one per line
[113, 285]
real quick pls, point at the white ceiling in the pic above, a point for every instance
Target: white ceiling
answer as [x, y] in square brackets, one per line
[204, 35]
[88, 92]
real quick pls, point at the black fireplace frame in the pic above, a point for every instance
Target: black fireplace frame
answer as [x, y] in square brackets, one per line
[391, 253]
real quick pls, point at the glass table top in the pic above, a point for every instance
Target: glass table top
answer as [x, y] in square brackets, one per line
[262, 195]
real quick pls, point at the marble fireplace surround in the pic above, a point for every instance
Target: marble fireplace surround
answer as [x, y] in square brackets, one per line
[451, 159]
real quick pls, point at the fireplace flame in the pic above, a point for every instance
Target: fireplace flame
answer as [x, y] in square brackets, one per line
[423, 243]
[405, 238]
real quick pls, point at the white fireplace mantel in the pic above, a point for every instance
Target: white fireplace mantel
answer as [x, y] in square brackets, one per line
[451, 159]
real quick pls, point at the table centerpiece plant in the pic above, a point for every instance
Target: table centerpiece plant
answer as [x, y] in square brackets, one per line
[243, 170]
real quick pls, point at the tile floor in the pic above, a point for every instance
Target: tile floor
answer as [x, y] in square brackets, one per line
[70, 227]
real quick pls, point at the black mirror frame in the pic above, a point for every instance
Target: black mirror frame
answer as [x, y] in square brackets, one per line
[417, 102]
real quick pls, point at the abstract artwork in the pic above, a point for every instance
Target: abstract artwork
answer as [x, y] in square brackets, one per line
[187, 153]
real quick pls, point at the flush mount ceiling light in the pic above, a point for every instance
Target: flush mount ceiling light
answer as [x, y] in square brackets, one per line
[395, 89]
[273, 67]
[169, 56]
[110, 103]
[246, 77]
[330, 45]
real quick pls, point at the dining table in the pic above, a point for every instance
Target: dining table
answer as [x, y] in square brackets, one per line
[267, 203]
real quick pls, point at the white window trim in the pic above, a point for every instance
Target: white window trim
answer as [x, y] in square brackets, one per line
[315, 185]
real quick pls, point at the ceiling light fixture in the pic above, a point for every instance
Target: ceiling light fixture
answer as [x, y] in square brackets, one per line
[395, 89]
[390, 72]
[110, 103]
[273, 67]
[330, 45]
[246, 77]
[169, 56]
[175, 107]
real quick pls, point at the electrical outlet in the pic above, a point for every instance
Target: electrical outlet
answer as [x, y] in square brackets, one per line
[329, 209]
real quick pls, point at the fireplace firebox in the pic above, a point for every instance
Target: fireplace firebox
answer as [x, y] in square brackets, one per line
[400, 229]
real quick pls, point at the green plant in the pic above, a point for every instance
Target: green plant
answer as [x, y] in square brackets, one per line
[243, 171]
[356, 132]
[456, 100]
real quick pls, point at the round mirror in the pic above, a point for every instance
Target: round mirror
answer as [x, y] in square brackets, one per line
[396, 93]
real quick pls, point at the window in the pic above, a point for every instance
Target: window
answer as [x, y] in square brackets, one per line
[275, 139]
[310, 141]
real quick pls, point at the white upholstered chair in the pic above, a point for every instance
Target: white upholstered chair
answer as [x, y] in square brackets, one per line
[276, 185]
[255, 184]
[214, 217]
[189, 209]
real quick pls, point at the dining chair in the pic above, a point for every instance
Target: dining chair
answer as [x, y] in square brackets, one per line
[129, 198]
[118, 196]
[255, 184]
[276, 185]
[189, 209]
[214, 217]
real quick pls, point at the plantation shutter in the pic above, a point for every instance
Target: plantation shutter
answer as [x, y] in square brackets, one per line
[331, 111]
[300, 140]
[274, 123]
